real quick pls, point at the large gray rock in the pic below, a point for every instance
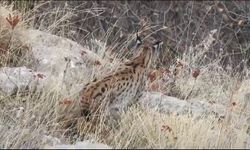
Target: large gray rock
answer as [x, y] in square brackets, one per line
[60, 61]
[65, 62]
[196, 108]
[52, 52]
[168, 104]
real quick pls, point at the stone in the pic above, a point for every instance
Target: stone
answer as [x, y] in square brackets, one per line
[195, 108]
[19, 79]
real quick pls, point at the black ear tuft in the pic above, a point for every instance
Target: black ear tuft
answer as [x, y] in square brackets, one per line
[138, 40]
[157, 45]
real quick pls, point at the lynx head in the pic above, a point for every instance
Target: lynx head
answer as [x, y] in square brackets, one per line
[149, 50]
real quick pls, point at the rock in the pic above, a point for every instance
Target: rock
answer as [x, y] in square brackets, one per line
[64, 62]
[18, 79]
[53, 52]
[162, 103]
[80, 145]
[47, 139]
[196, 108]
[53, 55]
[23, 80]
[168, 104]
[60, 62]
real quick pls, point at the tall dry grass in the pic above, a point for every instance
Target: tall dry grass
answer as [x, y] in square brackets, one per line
[30, 121]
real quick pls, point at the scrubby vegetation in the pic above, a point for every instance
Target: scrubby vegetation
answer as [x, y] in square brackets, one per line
[205, 56]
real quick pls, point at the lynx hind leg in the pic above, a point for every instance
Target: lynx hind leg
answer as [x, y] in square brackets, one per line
[93, 126]
[83, 126]
[67, 112]
[112, 118]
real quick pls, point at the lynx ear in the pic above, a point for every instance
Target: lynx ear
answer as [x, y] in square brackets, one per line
[138, 40]
[157, 45]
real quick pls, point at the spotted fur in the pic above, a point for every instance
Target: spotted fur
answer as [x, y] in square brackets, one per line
[120, 89]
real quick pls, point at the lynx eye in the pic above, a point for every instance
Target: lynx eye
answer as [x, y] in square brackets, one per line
[157, 45]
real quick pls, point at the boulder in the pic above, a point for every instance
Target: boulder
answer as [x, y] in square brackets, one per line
[61, 57]
[58, 61]
[196, 108]
[168, 104]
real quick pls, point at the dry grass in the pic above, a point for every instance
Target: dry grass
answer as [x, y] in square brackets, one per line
[30, 121]
[148, 129]
[12, 48]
